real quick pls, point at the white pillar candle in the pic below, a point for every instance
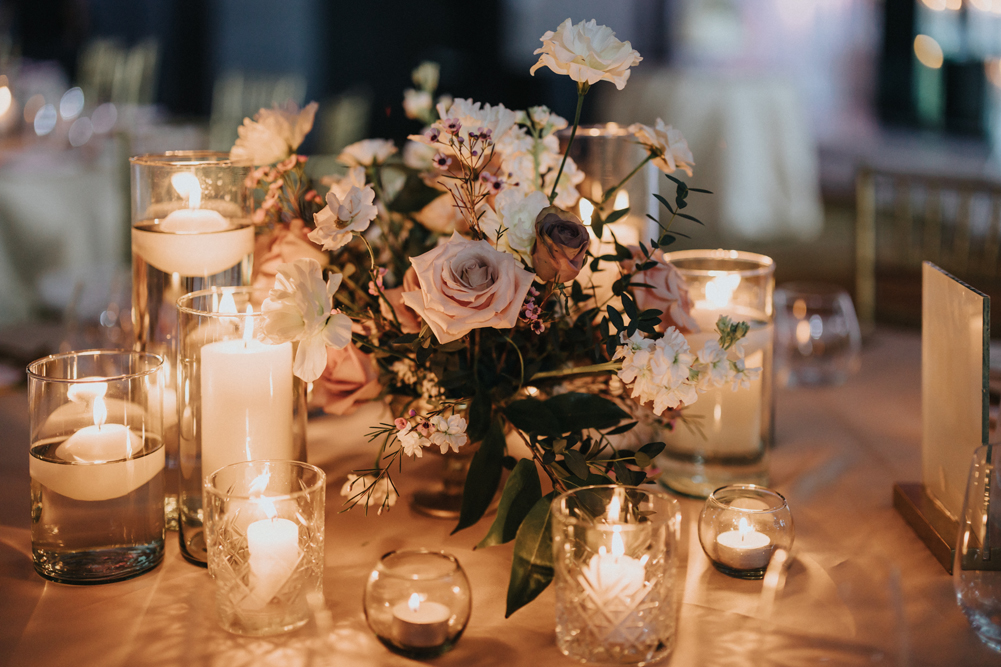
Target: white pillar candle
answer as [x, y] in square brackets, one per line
[246, 400]
[420, 624]
[273, 548]
[744, 548]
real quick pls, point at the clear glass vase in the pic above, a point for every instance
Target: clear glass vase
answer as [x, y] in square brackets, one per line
[238, 399]
[96, 465]
[725, 436]
[264, 524]
[191, 230]
[616, 551]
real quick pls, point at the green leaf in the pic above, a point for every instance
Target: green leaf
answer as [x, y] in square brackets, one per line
[692, 218]
[479, 417]
[653, 449]
[532, 566]
[533, 416]
[577, 411]
[521, 492]
[575, 463]
[406, 339]
[642, 460]
[483, 477]
[628, 426]
[664, 202]
[453, 346]
[615, 318]
[616, 215]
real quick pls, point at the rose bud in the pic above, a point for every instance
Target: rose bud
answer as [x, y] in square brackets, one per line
[561, 242]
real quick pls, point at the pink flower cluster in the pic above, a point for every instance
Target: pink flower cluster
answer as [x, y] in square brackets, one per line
[273, 176]
[531, 312]
[445, 432]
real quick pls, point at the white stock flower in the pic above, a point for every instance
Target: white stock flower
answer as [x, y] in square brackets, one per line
[417, 104]
[517, 211]
[666, 144]
[566, 191]
[449, 432]
[367, 152]
[273, 134]
[714, 367]
[382, 491]
[742, 375]
[587, 53]
[425, 76]
[412, 442]
[298, 308]
[342, 217]
[545, 119]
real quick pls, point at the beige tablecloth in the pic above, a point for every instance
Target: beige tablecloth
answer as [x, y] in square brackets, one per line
[863, 590]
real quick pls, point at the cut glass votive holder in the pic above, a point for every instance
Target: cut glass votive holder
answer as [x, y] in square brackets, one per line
[418, 602]
[741, 526]
[264, 524]
[615, 555]
[96, 465]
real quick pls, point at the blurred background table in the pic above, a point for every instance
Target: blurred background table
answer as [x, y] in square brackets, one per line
[862, 591]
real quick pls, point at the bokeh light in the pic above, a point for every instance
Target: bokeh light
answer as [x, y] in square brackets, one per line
[71, 104]
[928, 51]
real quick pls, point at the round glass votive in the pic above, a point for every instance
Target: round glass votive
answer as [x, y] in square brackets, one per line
[191, 229]
[264, 528]
[615, 555]
[418, 602]
[817, 336]
[96, 465]
[238, 399]
[728, 433]
[741, 526]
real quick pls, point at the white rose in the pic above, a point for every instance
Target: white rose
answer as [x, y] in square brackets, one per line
[587, 53]
[367, 152]
[667, 146]
[273, 134]
[518, 211]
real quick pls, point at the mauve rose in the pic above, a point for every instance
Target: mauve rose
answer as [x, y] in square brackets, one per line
[348, 380]
[466, 285]
[668, 291]
[561, 242]
[282, 247]
[410, 322]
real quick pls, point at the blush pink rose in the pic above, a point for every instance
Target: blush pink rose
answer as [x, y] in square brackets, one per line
[466, 285]
[349, 379]
[668, 291]
[283, 246]
[410, 321]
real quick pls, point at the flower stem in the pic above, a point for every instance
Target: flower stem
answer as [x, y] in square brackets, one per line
[578, 370]
[609, 193]
[581, 92]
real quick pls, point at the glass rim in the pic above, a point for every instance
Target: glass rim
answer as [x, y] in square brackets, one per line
[608, 130]
[184, 300]
[811, 289]
[187, 159]
[765, 265]
[764, 490]
[34, 368]
[662, 518]
[320, 483]
[438, 553]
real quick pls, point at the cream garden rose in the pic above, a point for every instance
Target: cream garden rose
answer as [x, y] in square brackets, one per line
[587, 53]
[466, 285]
[273, 134]
[666, 145]
[367, 152]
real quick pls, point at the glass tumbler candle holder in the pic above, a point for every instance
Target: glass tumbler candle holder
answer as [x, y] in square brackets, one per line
[238, 399]
[96, 465]
[191, 230]
[741, 526]
[418, 602]
[725, 436]
[264, 525]
[615, 555]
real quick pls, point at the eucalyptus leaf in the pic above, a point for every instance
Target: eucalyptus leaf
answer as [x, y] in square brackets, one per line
[616, 215]
[521, 492]
[575, 463]
[483, 477]
[628, 426]
[532, 566]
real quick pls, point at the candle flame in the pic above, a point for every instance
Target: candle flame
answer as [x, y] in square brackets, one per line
[248, 325]
[257, 488]
[227, 304]
[86, 392]
[586, 211]
[187, 185]
[720, 289]
[618, 546]
[621, 200]
[414, 602]
[614, 509]
[100, 411]
[743, 528]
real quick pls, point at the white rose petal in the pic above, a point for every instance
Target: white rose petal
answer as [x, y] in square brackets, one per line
[587, 53]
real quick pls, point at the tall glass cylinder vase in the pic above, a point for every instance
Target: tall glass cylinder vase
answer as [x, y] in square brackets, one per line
[237, 398]
[191, 230]
[606, 155]
[725, 436]
[96, 465]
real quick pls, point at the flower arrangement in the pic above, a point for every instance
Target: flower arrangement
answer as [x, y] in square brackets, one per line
[462, 284]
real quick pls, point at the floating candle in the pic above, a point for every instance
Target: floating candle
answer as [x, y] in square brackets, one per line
[418, 623]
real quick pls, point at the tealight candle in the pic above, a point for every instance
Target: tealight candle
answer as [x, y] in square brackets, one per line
[611, 575]
[419, 623]
[744, 548]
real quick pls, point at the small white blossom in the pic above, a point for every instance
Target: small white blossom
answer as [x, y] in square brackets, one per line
[412, 442]
[342, 217]
[742, 375]
[417, 104]
[667, 146]
[425, 76]
[341, 185]
[367, 153]
[715, 368]
[382, 492]
[449, 432]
